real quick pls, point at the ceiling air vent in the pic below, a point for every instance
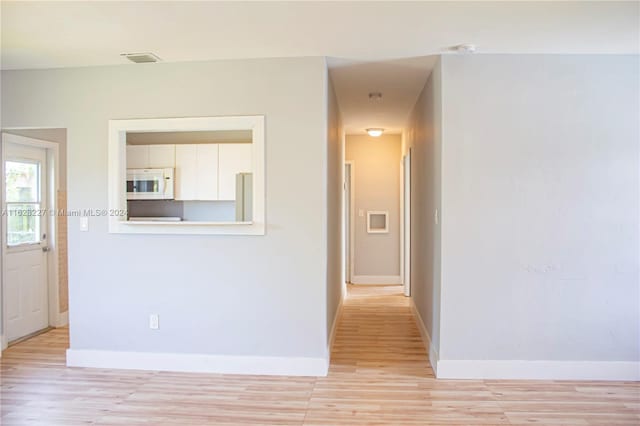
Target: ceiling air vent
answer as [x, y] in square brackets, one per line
[141, 58]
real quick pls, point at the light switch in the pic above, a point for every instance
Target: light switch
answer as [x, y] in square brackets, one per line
[84, 223]
[154, 321]
[435, 216]
[361, 213]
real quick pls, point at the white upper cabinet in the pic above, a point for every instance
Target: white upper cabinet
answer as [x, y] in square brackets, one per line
[162, 156]
[196, 176]
[137, 156]
[207, 171]
[234, 158]
[202, 171]
[186, 172]
[151, 156]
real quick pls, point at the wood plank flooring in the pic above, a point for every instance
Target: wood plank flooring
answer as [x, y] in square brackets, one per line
[379, 375]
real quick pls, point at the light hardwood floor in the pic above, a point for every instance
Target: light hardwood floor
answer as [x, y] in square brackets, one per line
[379, 375]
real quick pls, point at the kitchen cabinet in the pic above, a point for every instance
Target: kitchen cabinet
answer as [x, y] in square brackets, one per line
[137, 156]
[196, 174]
[150, 156]
[234, 158]
[207, 172]
[161, 156]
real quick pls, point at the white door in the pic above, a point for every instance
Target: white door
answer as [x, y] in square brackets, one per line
[24, 239]
[407, 222]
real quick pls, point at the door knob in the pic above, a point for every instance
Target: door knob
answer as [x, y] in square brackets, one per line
[45, 249]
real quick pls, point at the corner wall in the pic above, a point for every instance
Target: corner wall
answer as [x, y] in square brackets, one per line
[540, 228]
[424, 137]
[335, 191]
[247, 299]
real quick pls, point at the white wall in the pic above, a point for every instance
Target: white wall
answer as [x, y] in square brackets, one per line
[540, 224]
[424, 137]
[376, 182]
[231, 295]
[335, 178]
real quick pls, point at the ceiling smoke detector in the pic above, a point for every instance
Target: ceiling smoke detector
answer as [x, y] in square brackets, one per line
[141, 58]
[375, 96]
[465, 48]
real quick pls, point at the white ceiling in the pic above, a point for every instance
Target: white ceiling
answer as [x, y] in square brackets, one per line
[400, 81]
[68, 34]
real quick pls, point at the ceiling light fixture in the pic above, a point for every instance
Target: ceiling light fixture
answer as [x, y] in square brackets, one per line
[375, 96]
[141, 58]
[375, 132]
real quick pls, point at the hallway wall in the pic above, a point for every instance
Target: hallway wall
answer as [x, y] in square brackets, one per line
[424, 137]
[377, 187]
[335, 178]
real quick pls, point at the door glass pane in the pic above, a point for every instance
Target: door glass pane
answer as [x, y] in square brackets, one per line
[22, 180]
[23, 223]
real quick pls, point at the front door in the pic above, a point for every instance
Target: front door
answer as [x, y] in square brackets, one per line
[24, 239]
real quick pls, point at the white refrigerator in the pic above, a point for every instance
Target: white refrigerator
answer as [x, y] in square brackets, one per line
[244, 197]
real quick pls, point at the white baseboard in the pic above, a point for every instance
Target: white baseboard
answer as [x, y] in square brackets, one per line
[62, 320]
[198, 363]
[426, 339]
[376, 279]
[539, 370]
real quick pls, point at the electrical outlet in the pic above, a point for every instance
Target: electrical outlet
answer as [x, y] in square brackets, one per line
[154, 321]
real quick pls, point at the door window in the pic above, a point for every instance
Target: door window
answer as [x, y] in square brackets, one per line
[23, 202]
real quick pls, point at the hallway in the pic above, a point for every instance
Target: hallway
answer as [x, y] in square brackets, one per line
[378, 375]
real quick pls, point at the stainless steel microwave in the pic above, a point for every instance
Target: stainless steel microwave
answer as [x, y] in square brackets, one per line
[150, 184]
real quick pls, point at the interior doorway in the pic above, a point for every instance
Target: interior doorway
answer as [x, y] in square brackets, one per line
[29, 190]
[348, 220]
[406, 222]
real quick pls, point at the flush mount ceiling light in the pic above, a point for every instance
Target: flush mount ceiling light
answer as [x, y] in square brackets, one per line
[375, 132]
[375, 96]
[141, 58]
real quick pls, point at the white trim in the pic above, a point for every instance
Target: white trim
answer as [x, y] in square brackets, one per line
[524, 370]
[352, 218]
[117, 173]
[426, 339]
[402, 224]
[3, 343]
[405, 221]
[384, 230]
[53, 171]
[62, 320]
[539, 370]
[376, 279]
[198, 363]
